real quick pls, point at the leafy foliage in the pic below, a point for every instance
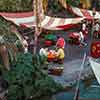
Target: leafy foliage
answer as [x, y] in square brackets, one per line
[27, 79]
[54, 6]
[98, 5]
[15, 5]
[73, 2]
[55, 9]
[7, 37]
[5, 31]
[4, 26]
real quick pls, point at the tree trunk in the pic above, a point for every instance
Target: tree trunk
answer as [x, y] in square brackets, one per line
[4, 56]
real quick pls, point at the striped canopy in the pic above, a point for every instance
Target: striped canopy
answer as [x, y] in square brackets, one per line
[85, 13]
[27, 19]
[80, 12]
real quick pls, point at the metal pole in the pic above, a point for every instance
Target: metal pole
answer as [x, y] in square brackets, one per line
[79, 78]
[92, 33]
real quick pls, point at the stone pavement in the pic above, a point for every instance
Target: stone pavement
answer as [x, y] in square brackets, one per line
[73, 59]
[71, 72]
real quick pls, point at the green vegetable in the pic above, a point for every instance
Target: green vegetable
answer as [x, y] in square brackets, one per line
[51, 37]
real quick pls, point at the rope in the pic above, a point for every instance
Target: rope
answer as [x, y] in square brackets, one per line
[80, 73]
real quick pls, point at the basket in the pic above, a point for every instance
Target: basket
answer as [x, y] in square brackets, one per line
[56, 71]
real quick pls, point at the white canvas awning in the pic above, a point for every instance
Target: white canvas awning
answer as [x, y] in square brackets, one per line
[96, 69]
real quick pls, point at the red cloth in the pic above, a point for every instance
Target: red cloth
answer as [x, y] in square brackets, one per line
[68, 26]
[48, 43]
[95, 49]
[60, 42]
[23, 26]
[74, 35]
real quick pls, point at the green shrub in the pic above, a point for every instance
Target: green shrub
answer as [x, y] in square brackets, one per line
[27, 79]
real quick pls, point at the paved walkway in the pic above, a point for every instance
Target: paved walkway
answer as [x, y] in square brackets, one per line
[71, 72]
[73, 59]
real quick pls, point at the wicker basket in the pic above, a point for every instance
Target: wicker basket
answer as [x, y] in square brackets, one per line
[56, 70]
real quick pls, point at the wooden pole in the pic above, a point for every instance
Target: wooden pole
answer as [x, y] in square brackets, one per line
[35, 5]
